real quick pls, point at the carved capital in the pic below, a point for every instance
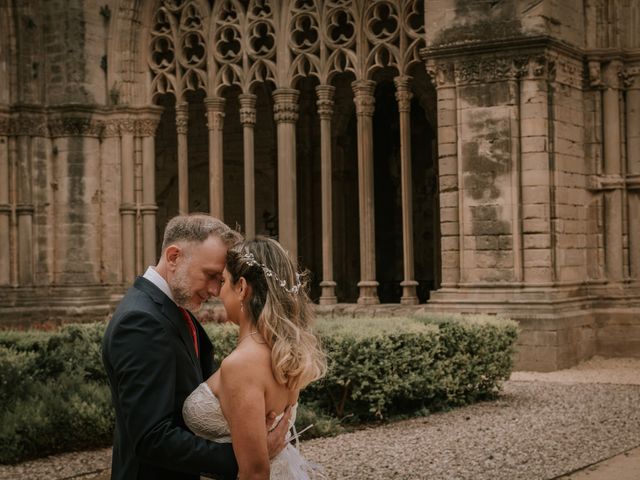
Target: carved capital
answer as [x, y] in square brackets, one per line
[612, 74]
[595, 74]
[403, 93]
[182, 118]
[146, 127]
[215, 112]
[630, 77]
[31, 125]
[440, 73]
[75, 126]
[111, 129]
[491, 68]
[325, 100]
[538, 66]
[247, 108]
[127, 126]
[566, 70]
[285, 108]
[363, 97]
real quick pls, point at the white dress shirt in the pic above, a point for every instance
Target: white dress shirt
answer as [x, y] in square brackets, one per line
[157, 279]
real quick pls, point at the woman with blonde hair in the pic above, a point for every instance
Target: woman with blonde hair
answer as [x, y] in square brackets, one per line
[276, 356]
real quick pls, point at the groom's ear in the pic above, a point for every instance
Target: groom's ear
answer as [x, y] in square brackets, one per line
[171, 255]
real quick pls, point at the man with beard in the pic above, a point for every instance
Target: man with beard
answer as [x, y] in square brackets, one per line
[156, 353]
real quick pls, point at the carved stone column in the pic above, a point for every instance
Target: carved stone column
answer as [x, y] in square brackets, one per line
[5, 206]
[128, 203]
[215, 117]
[76, 213]
[285, 112]
[613, 170]
[147, 130]
[448, 165]
[365, 106]
[25, 207]
[325, 110]
[403, 97]
[632, 112]
[112, 222]
[248, 121]
[182, 122]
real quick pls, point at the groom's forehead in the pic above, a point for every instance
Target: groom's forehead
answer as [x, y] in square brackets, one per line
[212, 248]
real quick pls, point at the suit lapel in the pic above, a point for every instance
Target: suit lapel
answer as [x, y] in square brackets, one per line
[206, 351]
[172, 313]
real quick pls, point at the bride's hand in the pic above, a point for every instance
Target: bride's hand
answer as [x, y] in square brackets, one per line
[276, 438]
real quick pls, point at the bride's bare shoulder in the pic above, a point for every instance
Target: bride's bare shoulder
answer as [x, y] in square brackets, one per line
[248, 359]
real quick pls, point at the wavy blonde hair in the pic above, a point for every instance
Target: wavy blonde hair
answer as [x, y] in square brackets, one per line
[283, 318]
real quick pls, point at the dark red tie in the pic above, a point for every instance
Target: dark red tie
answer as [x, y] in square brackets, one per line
[192, 329]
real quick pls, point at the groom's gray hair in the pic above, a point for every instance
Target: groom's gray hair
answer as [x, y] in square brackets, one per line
[197, 227]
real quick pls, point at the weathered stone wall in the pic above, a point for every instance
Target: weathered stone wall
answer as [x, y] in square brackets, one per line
[532, 170]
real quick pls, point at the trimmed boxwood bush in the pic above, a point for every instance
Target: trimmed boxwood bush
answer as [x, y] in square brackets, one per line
[54, 393]
[55, 398]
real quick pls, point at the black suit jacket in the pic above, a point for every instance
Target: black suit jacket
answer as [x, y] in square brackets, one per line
[148, 353]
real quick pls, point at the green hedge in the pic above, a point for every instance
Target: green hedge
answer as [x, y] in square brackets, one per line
[54, 395]
[380, 367]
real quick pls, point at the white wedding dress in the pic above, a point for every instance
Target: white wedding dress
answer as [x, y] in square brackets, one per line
[203, 415]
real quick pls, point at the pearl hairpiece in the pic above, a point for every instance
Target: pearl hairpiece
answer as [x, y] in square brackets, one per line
[251, 260]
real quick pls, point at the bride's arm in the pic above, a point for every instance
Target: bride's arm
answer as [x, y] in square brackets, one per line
[242, 398]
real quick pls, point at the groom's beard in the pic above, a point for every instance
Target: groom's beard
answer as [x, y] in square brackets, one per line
[182, 291]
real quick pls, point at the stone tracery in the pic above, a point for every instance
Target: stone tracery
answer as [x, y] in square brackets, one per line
[280, 43]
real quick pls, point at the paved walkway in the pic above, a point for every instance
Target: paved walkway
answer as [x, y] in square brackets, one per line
[625, 466]
[578, 424]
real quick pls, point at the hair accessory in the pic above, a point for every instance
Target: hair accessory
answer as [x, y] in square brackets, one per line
[251, 260]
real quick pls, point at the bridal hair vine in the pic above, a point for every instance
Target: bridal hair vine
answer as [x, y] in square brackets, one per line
[251, 260]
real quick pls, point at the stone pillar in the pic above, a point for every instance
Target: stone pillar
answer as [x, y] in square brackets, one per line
[534, 236]
[613, 170]
[127, 204]
[325, 111]
[248, 121]
[215, 117]
[365, 106]
[24, 208]
[147, 130]
[78, 242]
[112, 223]
[182, 121]
[285, 112]
[403, 97]
[451, 248]
[632, 112]
[5, 206]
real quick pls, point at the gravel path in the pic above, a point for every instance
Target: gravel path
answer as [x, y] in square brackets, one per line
[543, 425]
[534, 431]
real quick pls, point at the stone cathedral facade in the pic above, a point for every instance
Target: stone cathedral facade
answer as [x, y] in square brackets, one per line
[431, 155]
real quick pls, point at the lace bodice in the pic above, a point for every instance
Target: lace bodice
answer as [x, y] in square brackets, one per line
[203, 415]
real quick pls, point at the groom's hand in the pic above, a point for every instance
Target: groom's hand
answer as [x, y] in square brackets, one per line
[276, 437]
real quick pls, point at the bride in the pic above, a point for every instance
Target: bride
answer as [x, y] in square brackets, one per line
[275, 357]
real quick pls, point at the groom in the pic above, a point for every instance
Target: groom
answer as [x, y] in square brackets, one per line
[156, 353]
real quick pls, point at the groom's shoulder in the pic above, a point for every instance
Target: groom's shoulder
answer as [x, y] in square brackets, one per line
[139, 300]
